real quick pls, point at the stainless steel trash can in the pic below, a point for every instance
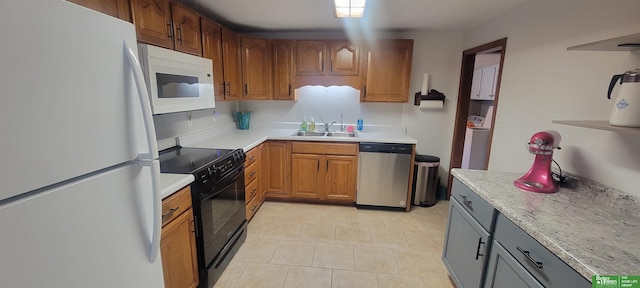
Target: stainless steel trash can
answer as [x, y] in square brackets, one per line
[425, 180]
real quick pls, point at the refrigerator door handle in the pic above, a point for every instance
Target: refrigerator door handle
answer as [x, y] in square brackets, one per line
[145, 104]
[154, 247]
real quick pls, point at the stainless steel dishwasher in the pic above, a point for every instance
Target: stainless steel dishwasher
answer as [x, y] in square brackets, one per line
[383, 175]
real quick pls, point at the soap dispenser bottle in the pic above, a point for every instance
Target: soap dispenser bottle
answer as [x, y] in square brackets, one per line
[303, 125]
[311, 125]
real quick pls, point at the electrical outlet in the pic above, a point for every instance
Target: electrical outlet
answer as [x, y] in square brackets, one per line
[189, 122]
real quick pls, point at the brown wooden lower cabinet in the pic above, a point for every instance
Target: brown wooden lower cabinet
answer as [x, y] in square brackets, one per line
[277, 169]
[253, 178]
[178, 241]
[324, 171]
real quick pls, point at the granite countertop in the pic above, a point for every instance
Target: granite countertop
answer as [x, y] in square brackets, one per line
[591, 227]
[171, 183]
[247, 139]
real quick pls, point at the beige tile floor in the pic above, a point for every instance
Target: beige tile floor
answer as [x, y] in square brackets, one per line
[307, 245]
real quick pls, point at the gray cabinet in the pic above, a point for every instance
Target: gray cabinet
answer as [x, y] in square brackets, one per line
[468, 237]
[516, 255]
[483, 248]
[504, 271]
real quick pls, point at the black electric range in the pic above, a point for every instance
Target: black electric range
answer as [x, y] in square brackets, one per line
[218, 199]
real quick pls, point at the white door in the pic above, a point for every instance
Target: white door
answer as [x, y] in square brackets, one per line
[92, 233]
[68, 100]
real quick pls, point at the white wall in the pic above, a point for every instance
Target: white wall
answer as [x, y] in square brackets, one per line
[440, 55]
[542, 81]
[168, 126]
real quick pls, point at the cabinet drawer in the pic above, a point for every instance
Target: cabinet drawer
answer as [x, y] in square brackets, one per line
[472, 203]
[251, 172]
[324, 148]
[175, 204]
[251, 190]
[549, 269]
[252, 156]
[465, 248]
[252, 207]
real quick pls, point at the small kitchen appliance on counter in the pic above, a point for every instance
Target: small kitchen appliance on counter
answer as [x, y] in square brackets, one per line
[539, 178]
[626, 108]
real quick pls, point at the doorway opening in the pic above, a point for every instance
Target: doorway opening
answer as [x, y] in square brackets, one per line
[478, 97]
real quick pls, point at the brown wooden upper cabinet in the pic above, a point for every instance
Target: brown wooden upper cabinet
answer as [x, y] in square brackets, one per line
[186, 29]
[344, 58]
[327, 62]
[116, 8]
[387, 69]
[167, 24]
[221, 45]
[311, 57]
[282, 61]
[256, 68]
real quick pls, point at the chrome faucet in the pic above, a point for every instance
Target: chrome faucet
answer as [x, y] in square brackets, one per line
[341, 122]
[327, 125]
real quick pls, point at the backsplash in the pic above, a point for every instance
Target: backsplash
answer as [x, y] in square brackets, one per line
[169, 126]
[326, 103]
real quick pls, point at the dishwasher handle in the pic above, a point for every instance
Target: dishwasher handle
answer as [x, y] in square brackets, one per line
[386, 148]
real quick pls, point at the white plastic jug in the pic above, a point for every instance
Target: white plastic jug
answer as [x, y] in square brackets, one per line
[626, 108]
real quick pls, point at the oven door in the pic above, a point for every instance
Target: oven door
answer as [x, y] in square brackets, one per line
[223, 212]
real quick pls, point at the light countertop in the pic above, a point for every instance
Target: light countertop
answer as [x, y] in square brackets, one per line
[591, 227]
[247, 139]
[171, 183]
[231, 138]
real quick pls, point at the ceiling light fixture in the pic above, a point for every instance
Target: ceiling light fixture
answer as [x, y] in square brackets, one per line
[349, 8]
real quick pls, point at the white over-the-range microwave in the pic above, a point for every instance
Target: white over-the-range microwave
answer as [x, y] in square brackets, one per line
[176, 81]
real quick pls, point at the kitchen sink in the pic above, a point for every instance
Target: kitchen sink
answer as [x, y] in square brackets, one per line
[328, 134]
[308, 133]
[342, 134]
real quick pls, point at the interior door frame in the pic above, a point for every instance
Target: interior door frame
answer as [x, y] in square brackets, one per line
[462, 110]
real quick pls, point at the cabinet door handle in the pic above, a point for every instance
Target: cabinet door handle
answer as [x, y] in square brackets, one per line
[289, 89]
[224, 88]
[318, 168]
[171, 211]
[170, 28]
[478, 249]
[253, 173]
[179, 33]
[466, 202]
[254, 208]
[246, 89]
[528, 256]
[327, 166]
[229, 88]
[365, 91]
[253, 192]
[252, 157]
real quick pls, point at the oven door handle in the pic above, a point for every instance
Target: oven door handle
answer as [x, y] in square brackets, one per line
[225, 183]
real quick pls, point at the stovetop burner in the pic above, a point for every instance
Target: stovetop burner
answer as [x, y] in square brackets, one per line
[183, 160]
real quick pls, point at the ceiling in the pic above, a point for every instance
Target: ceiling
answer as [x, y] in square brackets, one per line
[317, 15]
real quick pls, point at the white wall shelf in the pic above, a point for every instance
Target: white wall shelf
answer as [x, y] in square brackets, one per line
[624, 43]
[600, 125]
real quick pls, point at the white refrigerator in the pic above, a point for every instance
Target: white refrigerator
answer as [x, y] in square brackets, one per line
[80, 196]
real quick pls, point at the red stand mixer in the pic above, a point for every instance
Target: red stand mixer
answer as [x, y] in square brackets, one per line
[539, 178]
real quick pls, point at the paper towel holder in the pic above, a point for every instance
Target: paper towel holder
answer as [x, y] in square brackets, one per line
[432, 95]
